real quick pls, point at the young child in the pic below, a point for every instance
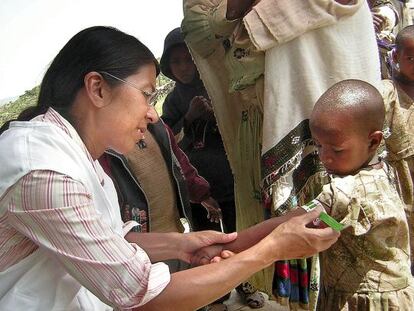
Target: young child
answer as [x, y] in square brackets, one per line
[369, 267]
[398, 96]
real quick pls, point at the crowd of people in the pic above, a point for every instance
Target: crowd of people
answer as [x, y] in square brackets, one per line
[286, 146]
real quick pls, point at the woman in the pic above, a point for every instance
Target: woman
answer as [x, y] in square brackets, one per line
[62, 244]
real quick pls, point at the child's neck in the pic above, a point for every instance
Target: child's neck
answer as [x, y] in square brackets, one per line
[372, 161]
[406, 85]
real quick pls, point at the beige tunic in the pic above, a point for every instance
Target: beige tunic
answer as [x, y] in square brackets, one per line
[369, 267]
[400, 145]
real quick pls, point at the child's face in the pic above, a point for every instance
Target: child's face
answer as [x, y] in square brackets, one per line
[342, 149]
[405, 59]
[182, 65]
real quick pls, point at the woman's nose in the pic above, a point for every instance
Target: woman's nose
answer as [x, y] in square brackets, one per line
[152, 115]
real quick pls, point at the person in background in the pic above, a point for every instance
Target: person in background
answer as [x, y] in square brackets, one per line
[398, 96]
[386, 19]
[187, 109]
[63, 243]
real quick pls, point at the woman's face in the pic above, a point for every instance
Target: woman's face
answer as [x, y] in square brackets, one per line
[128, 113]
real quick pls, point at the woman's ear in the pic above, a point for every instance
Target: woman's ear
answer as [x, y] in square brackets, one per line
[375, 140]
[96, 89]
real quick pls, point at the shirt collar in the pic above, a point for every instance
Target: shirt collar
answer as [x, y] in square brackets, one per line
[52, 116]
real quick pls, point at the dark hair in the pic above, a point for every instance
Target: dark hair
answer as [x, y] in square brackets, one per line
[96, 48]
[173, 39]
[405, 33]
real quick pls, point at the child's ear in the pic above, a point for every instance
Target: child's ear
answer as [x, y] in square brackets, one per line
[394, 56]
[374, 140]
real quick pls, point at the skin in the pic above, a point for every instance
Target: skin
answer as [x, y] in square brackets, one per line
[214, 213]
[97, 113]
[346, 143]
[184, 70]
[190, 289]
[213, 210]
[200, 108]
[404, 57]
[181, 64]
[117, 117]
[296, 222]
[343, 146]
[113, 117]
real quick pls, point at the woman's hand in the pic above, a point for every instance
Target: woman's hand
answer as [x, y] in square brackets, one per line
[192, 242]
[293, 239]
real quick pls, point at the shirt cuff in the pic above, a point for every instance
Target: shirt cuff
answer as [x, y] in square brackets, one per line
[159, 278]
[128, 226]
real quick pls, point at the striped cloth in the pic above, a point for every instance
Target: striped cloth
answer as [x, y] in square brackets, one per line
[52, 211]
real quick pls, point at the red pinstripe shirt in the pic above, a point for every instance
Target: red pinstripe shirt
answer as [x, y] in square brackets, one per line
[55, 212]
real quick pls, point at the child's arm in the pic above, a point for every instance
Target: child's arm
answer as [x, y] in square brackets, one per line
[252, 236]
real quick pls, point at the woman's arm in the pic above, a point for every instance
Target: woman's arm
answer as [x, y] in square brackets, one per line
[163, 246]
[193, 288]
[245, 238]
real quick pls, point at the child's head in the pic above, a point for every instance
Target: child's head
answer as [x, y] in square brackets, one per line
[346, 125]
[181, 64]
[403, 55]
[176, 61]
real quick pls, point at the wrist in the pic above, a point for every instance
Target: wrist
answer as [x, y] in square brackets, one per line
[266, 252]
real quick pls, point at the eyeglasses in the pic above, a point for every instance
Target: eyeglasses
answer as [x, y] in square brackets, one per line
[150, 97]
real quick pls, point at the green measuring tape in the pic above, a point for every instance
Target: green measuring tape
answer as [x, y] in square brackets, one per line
[331, 222]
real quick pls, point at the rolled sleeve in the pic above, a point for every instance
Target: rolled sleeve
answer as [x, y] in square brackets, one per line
[205, 25]
[274, 22]
[158, 279]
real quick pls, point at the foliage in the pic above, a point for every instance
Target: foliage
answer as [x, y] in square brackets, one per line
[12, 109]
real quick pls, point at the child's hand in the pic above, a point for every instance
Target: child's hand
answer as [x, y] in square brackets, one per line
[224, 255]
[205, 255]
[379, 21]
[213, 210]
[200, 107]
